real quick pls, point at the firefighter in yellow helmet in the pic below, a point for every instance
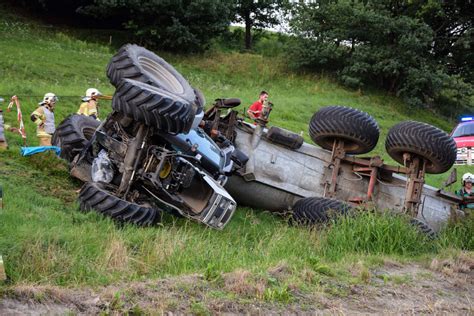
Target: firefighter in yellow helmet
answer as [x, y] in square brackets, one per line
[43, 117]
[90, 104]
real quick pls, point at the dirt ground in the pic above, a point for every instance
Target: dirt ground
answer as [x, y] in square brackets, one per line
[445, 287]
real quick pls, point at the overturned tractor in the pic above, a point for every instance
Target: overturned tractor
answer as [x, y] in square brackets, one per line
[159, 151]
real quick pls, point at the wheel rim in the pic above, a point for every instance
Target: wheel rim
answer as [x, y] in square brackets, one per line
[349, 145]
[430, 165]
[161, 75]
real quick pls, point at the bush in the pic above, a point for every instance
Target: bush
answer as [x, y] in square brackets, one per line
[183, 25]
[378, 44]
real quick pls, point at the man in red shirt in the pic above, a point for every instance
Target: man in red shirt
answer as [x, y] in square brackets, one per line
[255, 110]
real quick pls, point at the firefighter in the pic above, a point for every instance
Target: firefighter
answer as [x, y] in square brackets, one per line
[43, 117]
[90, 104]
[466, 190]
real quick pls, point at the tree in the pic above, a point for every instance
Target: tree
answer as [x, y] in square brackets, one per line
[62, 11]
[178, 25]
[182, 25]
[453, 41]
[388, 44]
[256, 15]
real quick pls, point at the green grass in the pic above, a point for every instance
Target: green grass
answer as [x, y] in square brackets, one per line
[44, 239]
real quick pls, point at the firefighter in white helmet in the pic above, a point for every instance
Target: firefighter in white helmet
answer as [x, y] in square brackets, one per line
[466, 190]
[43, 117]
[90, 104]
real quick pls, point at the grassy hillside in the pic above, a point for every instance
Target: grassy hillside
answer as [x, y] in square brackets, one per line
[45, 240]
[37, 59]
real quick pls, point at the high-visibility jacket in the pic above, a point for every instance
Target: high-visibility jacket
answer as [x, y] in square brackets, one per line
[463, 193]
[89, 108]
[43, 117]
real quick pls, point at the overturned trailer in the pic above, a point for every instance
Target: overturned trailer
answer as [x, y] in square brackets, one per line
[284, 172]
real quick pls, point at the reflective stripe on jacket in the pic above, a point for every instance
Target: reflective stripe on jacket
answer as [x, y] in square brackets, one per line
[43, 117]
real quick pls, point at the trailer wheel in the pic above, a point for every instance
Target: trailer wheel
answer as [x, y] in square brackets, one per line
[140, 64]
[314, 210]
[426, 141]
[423, 228]
[153, 106]
[357, 129]
[99, 197]
[73, 134]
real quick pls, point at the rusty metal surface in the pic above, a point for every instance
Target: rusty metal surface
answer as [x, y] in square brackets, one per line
[282, 175]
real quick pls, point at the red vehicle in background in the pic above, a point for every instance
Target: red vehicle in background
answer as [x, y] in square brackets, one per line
[463, 135]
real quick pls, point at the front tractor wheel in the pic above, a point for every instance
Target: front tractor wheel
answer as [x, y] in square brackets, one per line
[73, 134]
[100, 197]
[358, 130]
[435, 146]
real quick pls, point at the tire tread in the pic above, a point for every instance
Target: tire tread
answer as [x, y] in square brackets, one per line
[316, 210]
[424, 140]
[340, 122]
[93, 196]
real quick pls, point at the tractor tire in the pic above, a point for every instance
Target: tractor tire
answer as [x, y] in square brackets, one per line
[426, 141]
[359, 131]
[153, 106]
[73, 134]
[314, 210]
[423, 228]
[138, 63]
[96, 196]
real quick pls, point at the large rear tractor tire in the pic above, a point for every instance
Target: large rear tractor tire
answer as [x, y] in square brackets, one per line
[314, 210]
[359, 131]
[99, 197]
[423, 140]
[73, 134]
[138, 63]
[153, 106]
